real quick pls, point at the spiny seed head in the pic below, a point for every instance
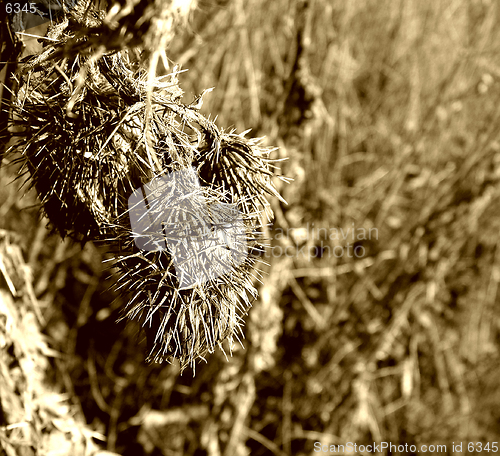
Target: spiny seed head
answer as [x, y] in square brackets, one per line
[190, 279]
[84, 166]
[240, 167]
[177, 202]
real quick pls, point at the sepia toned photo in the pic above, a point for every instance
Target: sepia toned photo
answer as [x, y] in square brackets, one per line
[234, 228]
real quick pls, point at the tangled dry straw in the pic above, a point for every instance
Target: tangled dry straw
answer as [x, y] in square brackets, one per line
[93, 124]
[34, 413]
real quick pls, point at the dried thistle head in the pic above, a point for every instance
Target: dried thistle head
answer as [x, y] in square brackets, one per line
[187, 257]
[83, 165]
[116, 158]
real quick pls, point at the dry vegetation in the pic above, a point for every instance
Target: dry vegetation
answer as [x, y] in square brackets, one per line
[388, 111]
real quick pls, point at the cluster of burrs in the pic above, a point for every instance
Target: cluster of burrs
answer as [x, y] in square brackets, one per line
[117, 158]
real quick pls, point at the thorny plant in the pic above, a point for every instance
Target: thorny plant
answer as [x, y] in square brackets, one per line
[93, 123]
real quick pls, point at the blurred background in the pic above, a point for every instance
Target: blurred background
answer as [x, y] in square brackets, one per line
[378, 316]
